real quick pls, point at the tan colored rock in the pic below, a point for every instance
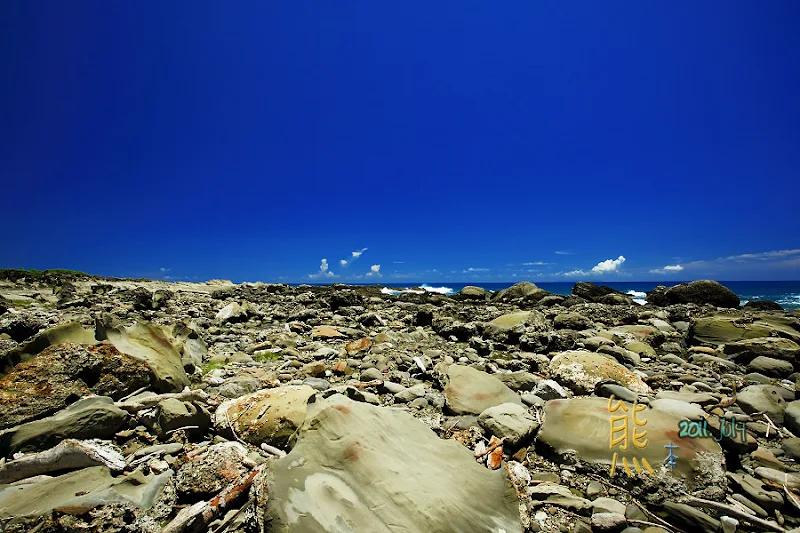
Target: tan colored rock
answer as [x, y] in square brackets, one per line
[470, 391]
[582, 370]
[583, 426]
[326, 332]
[268, 416]
[361, 345]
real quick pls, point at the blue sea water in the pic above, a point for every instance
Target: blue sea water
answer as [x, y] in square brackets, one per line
[786, 293]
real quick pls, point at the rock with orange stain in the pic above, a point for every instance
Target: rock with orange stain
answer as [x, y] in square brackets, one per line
[581, 370]
[470, 391]
[495, 458]
[359, 467]
[213, 470]
[361, 345]
[326, 332]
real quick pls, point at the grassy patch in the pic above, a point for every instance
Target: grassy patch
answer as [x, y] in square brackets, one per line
[208, 366]
[264, 356]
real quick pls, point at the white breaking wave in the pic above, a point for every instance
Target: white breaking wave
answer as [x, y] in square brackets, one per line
[790, 299]
[440, 290]
[744, 302]
[394, 292]
[638, 296]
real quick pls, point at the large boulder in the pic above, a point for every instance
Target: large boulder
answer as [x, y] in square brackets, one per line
[599, 294]
[581, 427]
[744, 351]
[95, 417]
[470, 391]
[763, 305]
[61, 374]
[509, 421]
[357, 467]
[82, 491]
[695, 292]
[582, 371]
[471, 292]
[150, 344]
[268, 416]
[725, 329]
[523, 289]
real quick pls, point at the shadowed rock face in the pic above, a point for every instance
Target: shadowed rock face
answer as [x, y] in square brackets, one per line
[63, 373]
[149, 343]
[696, 292]
[358, 467]
[582, 426]
[470, 391]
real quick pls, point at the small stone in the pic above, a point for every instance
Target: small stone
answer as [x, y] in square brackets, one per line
[607, 521]
[608, 505]
[729, 524]
[593, 489]
[371, 374]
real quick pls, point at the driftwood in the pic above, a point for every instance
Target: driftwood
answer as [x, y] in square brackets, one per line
[68, 455]
[197, 517]
[151, 401]
[735, 513]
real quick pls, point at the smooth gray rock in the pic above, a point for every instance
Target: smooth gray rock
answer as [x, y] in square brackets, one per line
[470, 391]
[678, 408]
[510, 421]
[83, 489]
[763, 398]
[792, 417]
[95, 417]
[770, 366]
[353, 469]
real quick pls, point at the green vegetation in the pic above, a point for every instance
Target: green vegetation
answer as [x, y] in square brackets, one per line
[208, 366]
[263, 356]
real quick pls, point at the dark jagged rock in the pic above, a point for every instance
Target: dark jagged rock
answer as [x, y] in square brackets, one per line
[596, 293]
[763, 305]
[696, 292]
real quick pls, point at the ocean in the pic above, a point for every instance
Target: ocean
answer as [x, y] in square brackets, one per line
[786, 293]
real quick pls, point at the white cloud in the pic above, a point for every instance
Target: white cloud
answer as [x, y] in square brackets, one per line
[536, 263]
[564, 252]
[374, 270]
[472, 269]
[609, 265]
[571, 273]
[354, 255]
[162, 269]
[399, 262]
[323, 271]
[667, 269]
[762, 256]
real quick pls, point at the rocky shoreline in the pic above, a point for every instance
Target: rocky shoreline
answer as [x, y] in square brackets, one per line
[140, 405]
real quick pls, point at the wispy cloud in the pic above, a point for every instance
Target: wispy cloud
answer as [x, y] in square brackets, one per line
[353, 256]
[608, 266]
[323, 272]
[374, 271]
[398, 262]
[165, 270]
[572, 273]
[773, 256]
[536, 263]
[667, 269]
[473, 269]
[564, 252]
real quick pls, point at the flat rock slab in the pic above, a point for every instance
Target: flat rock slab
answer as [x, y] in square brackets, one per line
[763, 399]
[583, 426]
[95, 417]
[511, 320]
[582, 370]
[81, 491]
[470, 391]
[357, 467]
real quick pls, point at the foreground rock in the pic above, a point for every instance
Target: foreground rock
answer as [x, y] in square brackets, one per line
[352, 470]
[580, 426]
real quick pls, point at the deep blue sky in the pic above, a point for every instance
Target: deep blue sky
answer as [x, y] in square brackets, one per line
[249, 140]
